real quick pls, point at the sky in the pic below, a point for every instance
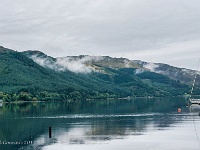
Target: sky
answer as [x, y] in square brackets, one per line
[161, 31]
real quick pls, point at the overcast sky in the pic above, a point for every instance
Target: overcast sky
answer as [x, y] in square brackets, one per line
[166, 31]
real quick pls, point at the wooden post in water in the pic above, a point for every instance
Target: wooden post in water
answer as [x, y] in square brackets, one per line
[49, 132]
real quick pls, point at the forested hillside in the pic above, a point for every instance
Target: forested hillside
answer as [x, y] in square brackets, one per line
[32, 75]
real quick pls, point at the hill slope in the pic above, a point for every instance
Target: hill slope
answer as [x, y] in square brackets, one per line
[120, 72]
[34, 75]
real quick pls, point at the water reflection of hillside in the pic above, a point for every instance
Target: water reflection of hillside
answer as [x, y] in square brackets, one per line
[86, 121]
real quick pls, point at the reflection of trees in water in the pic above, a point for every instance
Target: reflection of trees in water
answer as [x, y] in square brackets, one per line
[106, 119]
[115, 127]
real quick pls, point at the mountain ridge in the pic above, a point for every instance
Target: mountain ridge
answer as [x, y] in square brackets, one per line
[185, 75]
[32, 75]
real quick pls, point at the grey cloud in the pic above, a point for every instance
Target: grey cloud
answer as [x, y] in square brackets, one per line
[151, 66]
[139, 71]
[76, 65]
[144, 29]
[79, 65]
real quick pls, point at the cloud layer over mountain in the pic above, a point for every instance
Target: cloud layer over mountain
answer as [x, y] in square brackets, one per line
[78, 65]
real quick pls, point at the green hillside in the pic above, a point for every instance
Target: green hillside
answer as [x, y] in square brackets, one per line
[23, 79]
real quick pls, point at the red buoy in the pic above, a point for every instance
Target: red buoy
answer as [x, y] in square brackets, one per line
[179, 110]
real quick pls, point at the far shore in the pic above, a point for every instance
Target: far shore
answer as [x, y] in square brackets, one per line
[121, 98]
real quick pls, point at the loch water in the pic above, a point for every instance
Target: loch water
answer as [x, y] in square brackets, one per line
[141, 123]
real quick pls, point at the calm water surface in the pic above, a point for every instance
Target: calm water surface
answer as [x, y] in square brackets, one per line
[152, 124]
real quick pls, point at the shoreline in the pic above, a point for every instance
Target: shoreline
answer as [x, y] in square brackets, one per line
[121, 98]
